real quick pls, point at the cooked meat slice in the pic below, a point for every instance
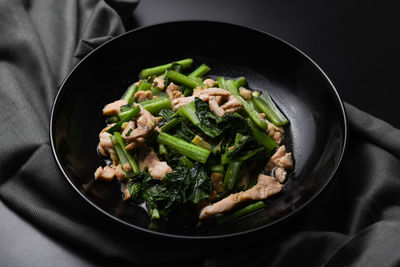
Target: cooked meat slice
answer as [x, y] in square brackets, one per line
[281, 159]
[209, 83]
[233, 104]
[145, 124]
[206, 93]
[276, 133]
[266, 186]
[159, 82]
[143, 95]
[280, 162]
[246, 94]
[119, 173]
[107, 173]
[212, 103]
[216, 179]
[148, 160]
[114, 108]
[181, 102]
[127, 194]
[280, 174]
[127, 167]
[128, 129]
[173, 92]
[203, 94]
[136, 143]
[98, 172]
[105, 144]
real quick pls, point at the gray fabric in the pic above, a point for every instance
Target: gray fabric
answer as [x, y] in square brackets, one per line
[356, 221]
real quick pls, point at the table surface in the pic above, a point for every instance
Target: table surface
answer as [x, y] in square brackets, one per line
[354, 42]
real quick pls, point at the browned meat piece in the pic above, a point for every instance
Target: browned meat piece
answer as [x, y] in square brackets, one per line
[136, 143]
[216, 179]
[206, 93]
[127, 167]
[276, 133]
[203, 94]
[148, 160]
[173, 92]
[143, 95]
[159, 82]
[232, 105]
[266, 186]
[107, 173]
[145, 124]
[246, 94]
[181, 102]
[127, 194]
[105, 144]
[215, 108]
[280, 162]
[114, 107]
[209, 83]
[119, 173]
[280, 174]
[128, 129]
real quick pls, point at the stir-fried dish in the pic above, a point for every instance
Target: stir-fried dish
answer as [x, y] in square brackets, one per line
[185, 144]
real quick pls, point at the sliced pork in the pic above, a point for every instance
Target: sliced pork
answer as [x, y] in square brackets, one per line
[114, 108]
[266, 186]
[148, 160]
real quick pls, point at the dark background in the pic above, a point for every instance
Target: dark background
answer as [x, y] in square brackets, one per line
[355, 43]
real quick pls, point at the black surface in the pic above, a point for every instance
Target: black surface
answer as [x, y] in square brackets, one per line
[354, 222]
[317, 120]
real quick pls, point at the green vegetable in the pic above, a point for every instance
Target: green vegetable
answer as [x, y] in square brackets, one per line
[218, 168]
[121, 155]
[198, 141]
[189, 150]
[251, 112]
[183, 79]
[128, 155]
[239, 213]
[154, 106]
[169, 125]
[187, 162]
[186, 63]
[124, 117]
[128, 96]
[232, 174]
[221, 82]
[144, 86]
[200, 71]
[240, 82]
[268, 107]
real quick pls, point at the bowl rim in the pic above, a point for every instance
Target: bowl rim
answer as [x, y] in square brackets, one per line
[205, 237]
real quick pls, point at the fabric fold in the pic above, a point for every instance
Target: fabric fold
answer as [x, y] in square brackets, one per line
[356, 220]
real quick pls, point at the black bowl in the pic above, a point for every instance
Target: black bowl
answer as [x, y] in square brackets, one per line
[301, 89]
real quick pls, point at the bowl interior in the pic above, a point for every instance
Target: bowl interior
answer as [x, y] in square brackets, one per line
[302, 91]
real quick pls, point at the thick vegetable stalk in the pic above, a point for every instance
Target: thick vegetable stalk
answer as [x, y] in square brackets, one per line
[124, 117]
[262, 137]
[186, 63]
[183, 79]
[232, 174]
[128, 96]
[271, 111]
[128, 155]
[200, 71]
[239, 213]
[184, 148]
[253, 114]
[121, 156]
[169, 125]
[154, 106]
[240, 82]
